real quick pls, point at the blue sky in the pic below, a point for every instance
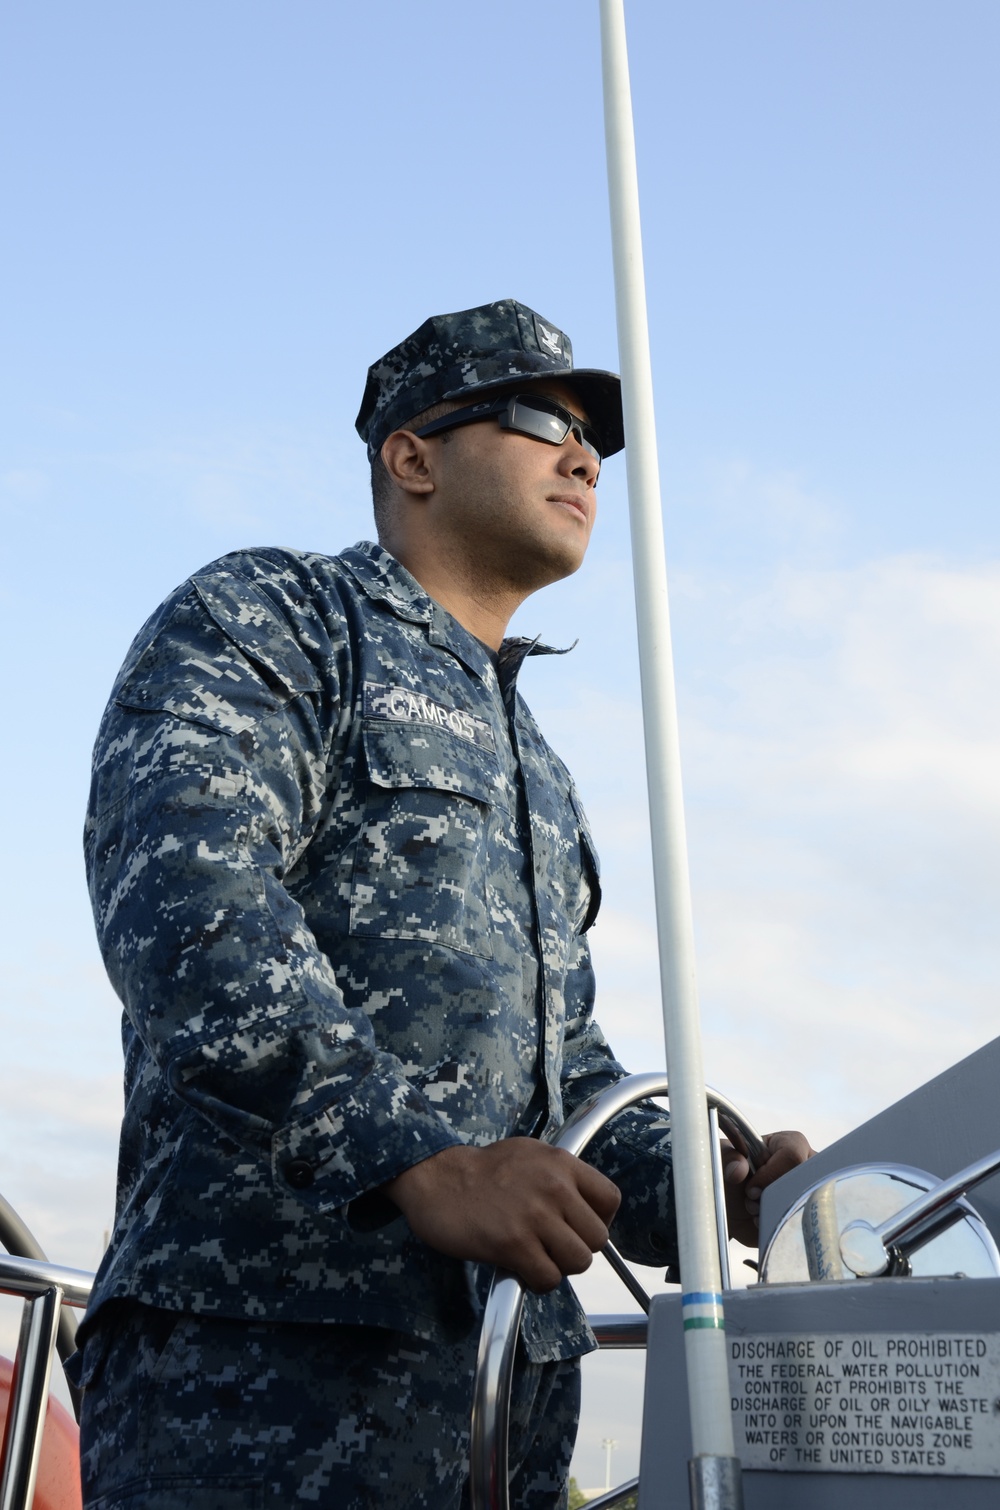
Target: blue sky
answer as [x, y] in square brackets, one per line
[219, 214]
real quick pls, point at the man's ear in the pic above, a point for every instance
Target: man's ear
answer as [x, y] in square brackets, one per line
[407, 460]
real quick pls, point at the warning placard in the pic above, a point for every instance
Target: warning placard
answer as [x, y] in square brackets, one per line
[872, 1402]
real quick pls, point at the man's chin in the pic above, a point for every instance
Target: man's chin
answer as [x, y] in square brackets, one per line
[552, 565]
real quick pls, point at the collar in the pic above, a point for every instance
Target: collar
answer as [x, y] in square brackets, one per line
[384, 579]
[513, 654]
[381, 577]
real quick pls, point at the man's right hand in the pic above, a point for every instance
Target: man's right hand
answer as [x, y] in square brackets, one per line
[521, 1204]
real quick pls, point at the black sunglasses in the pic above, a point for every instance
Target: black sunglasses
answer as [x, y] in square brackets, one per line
[527, 413]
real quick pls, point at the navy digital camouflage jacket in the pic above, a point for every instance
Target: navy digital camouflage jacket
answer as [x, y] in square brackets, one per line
[342, 887]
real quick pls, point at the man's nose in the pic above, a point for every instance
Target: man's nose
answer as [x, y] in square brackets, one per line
[576, 461]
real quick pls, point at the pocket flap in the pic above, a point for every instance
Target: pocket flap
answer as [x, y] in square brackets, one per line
[252, 622]
[414, 754]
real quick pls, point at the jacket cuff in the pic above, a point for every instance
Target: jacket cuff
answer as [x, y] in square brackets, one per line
[358, 1144]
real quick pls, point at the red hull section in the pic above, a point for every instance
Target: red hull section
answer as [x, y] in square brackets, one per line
[58, 1486]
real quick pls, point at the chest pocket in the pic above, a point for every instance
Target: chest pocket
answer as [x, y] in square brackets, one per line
[421, 860]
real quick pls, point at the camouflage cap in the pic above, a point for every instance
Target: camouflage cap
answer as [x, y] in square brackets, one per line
[487, 347]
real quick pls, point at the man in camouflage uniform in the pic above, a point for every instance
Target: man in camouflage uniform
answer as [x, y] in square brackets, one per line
[343, 887]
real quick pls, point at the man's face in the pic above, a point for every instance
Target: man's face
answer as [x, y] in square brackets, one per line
[515, 505]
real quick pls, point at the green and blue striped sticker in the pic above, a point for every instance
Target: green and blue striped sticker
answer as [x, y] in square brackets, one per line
[702, 1308]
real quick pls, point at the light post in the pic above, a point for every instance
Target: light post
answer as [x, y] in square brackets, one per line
[609, 1444]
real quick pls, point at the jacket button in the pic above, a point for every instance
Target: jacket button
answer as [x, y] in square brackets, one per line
[299, 1174]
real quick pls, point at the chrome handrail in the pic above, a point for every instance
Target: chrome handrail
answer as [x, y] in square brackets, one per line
[19, 1240]
[615, 1333]
[488, 1471]
[28, 1277]
[45, 1288]
[613, 1497]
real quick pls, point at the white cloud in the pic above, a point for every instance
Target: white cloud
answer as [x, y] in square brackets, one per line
[841, 742]
[24, 483]
[228, 484]
[782, 506]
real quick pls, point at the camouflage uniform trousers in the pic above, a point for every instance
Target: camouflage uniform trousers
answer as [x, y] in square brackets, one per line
[192, 1413]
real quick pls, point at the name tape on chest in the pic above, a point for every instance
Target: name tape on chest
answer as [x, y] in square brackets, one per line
[404, 705]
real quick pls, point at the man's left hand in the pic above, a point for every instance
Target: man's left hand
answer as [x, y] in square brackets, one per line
[743, 1189]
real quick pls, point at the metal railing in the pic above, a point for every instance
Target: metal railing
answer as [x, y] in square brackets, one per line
[488, 1471]
[613, 1496]
[870, 1250]
[45, 1289]
[19, 1240]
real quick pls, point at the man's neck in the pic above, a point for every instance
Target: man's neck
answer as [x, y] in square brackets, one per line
[483, 607]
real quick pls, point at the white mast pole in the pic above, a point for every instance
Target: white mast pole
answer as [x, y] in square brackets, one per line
[715, 1471]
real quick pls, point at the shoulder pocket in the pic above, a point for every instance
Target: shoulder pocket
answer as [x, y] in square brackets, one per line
[422, 855]
[223, 658]
[251, 621]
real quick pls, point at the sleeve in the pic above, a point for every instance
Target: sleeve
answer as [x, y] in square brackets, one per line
[634, 1149]
[210, 773]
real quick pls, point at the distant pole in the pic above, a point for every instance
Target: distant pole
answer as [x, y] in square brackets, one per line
[609, 1444]
[714, 1469]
